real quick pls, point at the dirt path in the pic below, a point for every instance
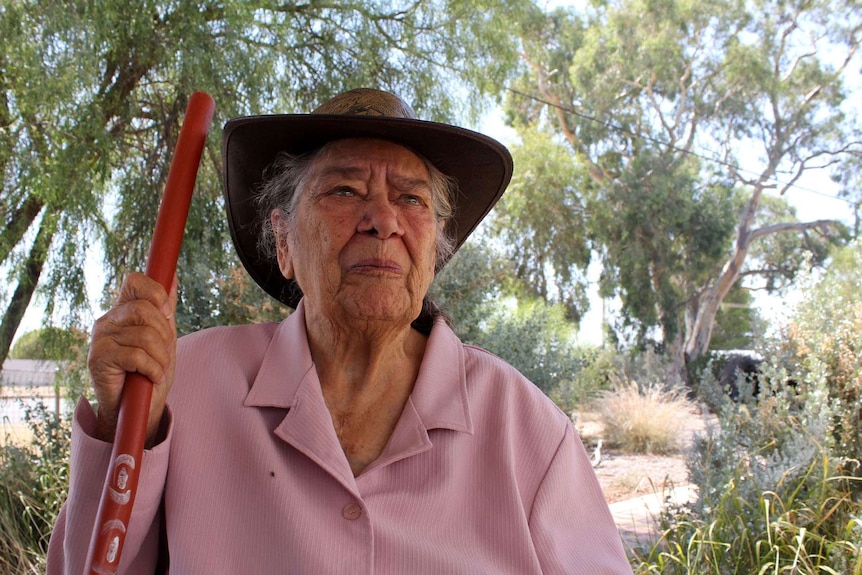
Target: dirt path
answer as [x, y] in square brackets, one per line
[638, 486]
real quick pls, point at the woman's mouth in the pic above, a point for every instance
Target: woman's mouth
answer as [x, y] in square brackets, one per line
[376, 265]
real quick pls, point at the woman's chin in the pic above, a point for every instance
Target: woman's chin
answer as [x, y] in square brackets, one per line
[381, 305]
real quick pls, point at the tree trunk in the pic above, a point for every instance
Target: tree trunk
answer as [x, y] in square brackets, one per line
[697, 340]
[18, 224]
[700, 331]
[679, 372]
[28, 279]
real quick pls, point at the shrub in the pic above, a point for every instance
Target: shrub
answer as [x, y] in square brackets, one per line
[774, 497]
[596, 373]
[834, 356]
[537, 340]
[809, 523]
[780, 483]
[643, 419]
[822, 348]
[33, 485]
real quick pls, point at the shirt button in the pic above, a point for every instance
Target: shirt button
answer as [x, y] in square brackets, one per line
[352, 511]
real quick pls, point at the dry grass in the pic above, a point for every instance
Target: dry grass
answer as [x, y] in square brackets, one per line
[15, 434]
[647, 420]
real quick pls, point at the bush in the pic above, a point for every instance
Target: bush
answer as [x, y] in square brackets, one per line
[774, 496]
[597, 368]
[780, 483]
[50, 343]
[822, 348]
[33, 486]
[643, 419]
[834, 357]
[807, 523]
[537, 340]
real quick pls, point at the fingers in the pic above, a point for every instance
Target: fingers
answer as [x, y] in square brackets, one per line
[133, 340]
[137, 335]
[138, 286]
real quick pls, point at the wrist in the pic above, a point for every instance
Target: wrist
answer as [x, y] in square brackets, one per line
[106, 425]
[157, 430]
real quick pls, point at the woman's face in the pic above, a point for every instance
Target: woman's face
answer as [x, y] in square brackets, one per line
[362, 243]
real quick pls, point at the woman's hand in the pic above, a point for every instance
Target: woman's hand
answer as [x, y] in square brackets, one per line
[137, 335]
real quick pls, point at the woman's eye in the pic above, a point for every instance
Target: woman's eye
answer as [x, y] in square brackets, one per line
[343, 191]
[412, 200]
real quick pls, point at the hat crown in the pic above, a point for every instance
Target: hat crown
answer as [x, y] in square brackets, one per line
[367, 102]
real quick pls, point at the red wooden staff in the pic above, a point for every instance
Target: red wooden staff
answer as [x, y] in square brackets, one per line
[121, 483]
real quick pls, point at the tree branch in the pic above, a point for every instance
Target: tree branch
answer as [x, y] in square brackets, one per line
[822, 225]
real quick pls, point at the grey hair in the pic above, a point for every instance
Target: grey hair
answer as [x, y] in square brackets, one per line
[286, 177]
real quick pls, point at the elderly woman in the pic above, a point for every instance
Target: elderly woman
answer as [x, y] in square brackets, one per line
[359, 435]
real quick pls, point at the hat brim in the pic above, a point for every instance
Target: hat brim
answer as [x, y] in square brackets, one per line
[481, 166]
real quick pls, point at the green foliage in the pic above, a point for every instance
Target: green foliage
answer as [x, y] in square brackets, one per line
[807, 523]
[659, 229]
[825, 339]
[51, 343]
[708, 386]
[776, 260]
[550, 188]
[69, 347]
[737, 323]
[780, 482]
[772, 496]
[532, 335]
[33, 486]
[92, 97]
[676, 117]
[468, 289]
[239, 302]
[536, 339]
[596, 374]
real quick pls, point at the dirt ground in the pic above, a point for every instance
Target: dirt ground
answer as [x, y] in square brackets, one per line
[627, 475]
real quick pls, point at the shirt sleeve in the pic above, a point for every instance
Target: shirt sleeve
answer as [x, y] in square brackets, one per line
[572, 527]
[90, 458]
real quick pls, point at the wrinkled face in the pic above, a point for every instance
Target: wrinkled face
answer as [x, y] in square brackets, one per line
[362, 243]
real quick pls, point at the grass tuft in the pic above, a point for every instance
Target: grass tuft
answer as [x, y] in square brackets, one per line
[643, 420]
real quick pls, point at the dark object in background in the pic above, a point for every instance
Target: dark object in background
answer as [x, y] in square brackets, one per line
[741, 366]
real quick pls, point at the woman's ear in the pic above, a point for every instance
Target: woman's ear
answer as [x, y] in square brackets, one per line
[282, 250]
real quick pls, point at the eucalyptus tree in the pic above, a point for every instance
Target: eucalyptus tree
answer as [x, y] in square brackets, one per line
[680, 119]
[851, 192]
[92, 96]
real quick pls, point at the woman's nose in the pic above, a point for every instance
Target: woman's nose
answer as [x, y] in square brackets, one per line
[380, 218]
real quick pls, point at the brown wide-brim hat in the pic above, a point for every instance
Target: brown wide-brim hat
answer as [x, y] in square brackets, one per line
[481, 166]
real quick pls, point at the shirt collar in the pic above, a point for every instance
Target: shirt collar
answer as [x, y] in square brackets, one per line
[285, 364]
[439, 394]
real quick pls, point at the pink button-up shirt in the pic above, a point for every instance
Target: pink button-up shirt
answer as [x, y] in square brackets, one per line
[483, 474]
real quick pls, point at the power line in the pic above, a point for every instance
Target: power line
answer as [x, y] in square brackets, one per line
[704, 157]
